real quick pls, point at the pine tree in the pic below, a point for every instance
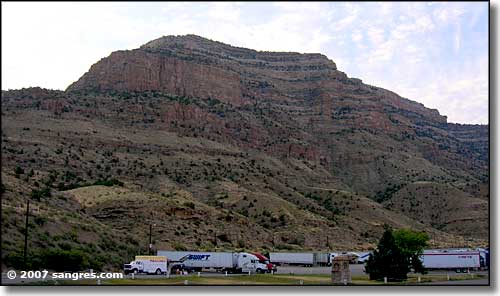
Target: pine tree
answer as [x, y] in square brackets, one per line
[388, 260]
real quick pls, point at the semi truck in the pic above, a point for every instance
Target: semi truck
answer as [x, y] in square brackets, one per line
[309, 259]
[484, 257]
[352, 256]
[363, 257]
[147, 264]
[458, 260]
[219, 261]
[264, 260]
[322, 259]
[304, 259]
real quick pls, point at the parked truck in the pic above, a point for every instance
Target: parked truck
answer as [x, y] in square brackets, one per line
[147, 264]
[352, 256]
[309, 259]
[484, 257]
[219, 261]
[458, 260]
[322, 259]
[363, 257]
[304, 259]
[264, 260]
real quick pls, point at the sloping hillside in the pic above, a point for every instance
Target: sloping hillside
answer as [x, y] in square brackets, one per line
[230, 148]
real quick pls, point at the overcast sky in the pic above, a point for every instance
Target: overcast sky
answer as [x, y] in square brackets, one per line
[433, 53]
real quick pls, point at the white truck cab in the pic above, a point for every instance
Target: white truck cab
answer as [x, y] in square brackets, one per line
[250, 263]
[147, 264]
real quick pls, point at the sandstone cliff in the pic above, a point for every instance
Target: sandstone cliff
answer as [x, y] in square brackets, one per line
[195, 66]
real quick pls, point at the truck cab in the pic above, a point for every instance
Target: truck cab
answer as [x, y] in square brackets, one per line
[146, 264]
[264, 260]
[250, 263]
[134, 267]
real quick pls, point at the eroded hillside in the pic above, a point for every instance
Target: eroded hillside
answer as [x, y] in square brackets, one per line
[230, 148]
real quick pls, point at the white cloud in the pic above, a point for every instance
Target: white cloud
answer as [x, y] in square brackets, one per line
[376, 35]
[357, 36]
[458, 38]
[447, 15]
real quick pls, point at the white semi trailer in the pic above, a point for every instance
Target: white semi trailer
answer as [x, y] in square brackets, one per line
[220, 261]
[304, 259]
[458, 260]
[309, 259]
[322, 259]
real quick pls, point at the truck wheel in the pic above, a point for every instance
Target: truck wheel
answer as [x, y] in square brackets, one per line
[158, 271]
[135, 271]
[259, 270]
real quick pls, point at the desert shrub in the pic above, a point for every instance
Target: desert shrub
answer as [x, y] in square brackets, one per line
[189, 205]
[39, 194]
[60, 260]
[18, 170]
[179, 247]
[224, 238]
[53, 259]
[14, 260]
[39, 220]
[108, 182]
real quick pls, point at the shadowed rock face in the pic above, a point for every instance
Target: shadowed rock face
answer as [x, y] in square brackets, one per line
[263, 148]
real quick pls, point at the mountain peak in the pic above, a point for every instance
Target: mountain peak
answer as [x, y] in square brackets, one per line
[195, 42]
[169, 40]
[190, 65]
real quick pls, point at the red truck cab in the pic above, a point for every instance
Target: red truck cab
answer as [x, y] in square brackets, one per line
[264, 260]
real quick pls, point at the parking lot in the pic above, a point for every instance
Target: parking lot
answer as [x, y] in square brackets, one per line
[356, 270]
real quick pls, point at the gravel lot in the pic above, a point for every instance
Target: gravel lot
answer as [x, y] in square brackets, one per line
[356, 269]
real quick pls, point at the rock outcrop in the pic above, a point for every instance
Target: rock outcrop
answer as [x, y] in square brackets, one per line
[197, 67]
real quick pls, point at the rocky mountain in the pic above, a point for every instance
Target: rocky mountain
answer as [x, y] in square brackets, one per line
[230, 148]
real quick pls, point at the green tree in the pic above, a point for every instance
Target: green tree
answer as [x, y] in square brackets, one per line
[397, 253]
[387, 260]
[412, 244]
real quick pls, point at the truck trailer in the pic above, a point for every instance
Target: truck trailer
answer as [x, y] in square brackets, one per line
[310, 259]
[323, 259]
[219, 261]
[199, 260]
[458, 260]
[304, 259]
